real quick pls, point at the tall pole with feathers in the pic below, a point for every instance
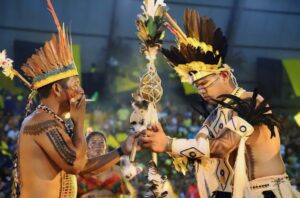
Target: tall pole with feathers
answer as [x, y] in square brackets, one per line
[150, 26]
[151, 30]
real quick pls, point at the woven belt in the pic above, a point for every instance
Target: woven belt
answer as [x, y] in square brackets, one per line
[268, 183]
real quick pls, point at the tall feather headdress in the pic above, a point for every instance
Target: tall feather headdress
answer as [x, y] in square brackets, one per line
[200, 51]
[54, 61]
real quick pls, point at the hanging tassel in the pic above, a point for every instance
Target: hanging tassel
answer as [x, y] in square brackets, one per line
[241, 184]
[29, 103]
[241, 187]
[202, 184]
[15, 185]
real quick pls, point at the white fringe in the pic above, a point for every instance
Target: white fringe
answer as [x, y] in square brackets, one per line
[202, 186]
[241, 183]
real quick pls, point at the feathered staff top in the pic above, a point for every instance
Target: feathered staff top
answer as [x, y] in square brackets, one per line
[151, 31]
[54, 61]
[150, 24]
[200, 51]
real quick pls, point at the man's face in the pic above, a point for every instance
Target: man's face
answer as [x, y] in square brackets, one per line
[73, 87]
[210, 87]
[96, 146]
[71, 90]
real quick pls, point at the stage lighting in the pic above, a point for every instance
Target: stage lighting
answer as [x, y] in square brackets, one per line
[297, 118]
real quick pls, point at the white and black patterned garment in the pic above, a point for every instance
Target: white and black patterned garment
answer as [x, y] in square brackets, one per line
[220, 168]
[218, 173]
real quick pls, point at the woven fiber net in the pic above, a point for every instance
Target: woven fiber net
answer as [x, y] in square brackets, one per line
[150, 87]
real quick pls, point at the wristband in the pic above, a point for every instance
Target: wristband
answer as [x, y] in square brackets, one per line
[169, 144]
[120, 151]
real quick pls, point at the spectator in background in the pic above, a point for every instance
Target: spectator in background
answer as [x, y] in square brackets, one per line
[96, 144]
[192, 191]
[105, 184]
[8, 103]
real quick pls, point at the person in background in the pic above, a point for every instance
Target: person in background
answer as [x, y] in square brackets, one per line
[105, 184]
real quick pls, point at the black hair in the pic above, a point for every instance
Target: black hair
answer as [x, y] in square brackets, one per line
[44, 91]
[95, 133]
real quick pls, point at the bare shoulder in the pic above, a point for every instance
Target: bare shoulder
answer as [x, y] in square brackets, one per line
[37, 123]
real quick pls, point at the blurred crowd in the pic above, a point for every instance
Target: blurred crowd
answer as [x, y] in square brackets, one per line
[178, 120]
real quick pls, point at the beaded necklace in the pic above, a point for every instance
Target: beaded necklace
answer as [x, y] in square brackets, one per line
[57, 117]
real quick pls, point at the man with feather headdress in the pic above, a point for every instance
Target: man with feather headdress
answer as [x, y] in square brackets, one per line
[52, 150]
[237, 151]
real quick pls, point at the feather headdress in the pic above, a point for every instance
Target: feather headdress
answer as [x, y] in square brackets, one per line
[54, 61]
[200, 51]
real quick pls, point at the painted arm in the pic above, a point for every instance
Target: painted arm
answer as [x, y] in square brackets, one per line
[67, 153]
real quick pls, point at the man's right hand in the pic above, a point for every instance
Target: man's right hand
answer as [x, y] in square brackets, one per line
[154, 138]
[77, 108]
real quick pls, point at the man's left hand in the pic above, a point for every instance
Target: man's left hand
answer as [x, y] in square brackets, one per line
[127, 145]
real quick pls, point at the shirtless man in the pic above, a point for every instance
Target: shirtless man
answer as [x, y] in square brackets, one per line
[224, 132]
[262, 152]
[52, 151]
[48, 157]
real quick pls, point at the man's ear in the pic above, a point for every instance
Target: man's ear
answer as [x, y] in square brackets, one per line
[225, 75]
[57, 89]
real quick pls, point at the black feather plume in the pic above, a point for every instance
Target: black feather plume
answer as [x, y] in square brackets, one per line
[204, 30]
[251, 111]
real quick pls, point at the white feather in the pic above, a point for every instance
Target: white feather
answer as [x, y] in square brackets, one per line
[149, 7]
[6, 65]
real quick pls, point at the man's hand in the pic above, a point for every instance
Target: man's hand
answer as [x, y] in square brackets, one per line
[154, 138]
[77, 108]
[127, 145]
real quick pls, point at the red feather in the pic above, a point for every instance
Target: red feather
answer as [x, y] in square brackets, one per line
[51, 9]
